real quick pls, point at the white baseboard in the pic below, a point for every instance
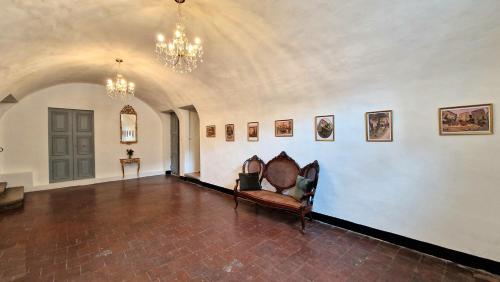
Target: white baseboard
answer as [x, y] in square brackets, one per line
[91, 181]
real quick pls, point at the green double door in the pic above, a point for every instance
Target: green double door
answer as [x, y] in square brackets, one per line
[71, 145]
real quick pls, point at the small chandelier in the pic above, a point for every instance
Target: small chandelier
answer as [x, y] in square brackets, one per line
[119, 88]
[179, 54]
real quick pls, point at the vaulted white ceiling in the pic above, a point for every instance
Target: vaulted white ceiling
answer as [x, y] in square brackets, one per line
[272, 50]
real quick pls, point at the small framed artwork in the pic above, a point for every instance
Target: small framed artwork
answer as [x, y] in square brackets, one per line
[466, 120]
[253, 131]
[283, 128]
[229, 132]
[210, 130]
[379, 126]
[324, 128]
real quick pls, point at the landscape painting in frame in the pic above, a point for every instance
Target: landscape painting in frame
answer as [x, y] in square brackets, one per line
[229, 132]
[379, 126]
[283, 128]
[466, 120]
[324, 128]
[253, 131]
[210, 130]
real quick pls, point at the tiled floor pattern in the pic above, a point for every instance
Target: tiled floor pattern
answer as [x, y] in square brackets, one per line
[163, 229]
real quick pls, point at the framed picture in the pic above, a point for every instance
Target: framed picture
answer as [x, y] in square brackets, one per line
[283, 128]
[466, 120]
[229, 132]
[210, 130]
[379, 126]
[324, 128]
[253, 131]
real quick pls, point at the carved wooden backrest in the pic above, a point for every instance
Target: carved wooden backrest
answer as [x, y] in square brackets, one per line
[311, 171]
[254, 164]
[281, 172]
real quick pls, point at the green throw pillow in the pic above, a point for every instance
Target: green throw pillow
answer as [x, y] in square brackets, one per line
[301, 187]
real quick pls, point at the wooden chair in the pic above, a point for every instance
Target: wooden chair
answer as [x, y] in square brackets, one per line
[281, 172]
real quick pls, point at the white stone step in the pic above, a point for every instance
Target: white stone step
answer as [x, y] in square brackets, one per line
[3, 186]
[12, 198]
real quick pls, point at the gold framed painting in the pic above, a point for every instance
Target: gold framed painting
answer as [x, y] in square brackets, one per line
[229, 132]
[378, 126]
[253, 131]
[210, 131]
[283, 128]
[324, 128]
[466, 120]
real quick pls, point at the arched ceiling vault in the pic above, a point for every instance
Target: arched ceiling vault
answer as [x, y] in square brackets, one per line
[281, 50]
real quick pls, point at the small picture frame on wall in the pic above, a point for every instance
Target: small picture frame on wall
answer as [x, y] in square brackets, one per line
[466, 120]
[283, 128]
[210, 131]
[379, 126]
[229, 132]
[324, 128]
[253, 131]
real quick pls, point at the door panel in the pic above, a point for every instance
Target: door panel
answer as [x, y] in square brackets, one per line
[85, 168]
[60, 145]
[84, 145]
[60, 121]
[60, 170]
[83, 133]
[71, 145]
[84, 121]
[174, 144]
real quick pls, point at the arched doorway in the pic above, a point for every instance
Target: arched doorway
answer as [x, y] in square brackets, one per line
[192, 146]
[174, 144]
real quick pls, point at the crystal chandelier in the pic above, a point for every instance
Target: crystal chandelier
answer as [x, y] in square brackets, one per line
[179, 54]
[119, 88]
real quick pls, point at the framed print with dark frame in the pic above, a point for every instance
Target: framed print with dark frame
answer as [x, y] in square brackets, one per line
[253, 131]
[378, 126]
[210, 131]
[283, 128]
[229, 132]
[324, 128]
[466, 120]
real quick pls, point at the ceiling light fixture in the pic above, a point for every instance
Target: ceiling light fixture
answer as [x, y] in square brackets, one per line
[120, 88]
[179, 54]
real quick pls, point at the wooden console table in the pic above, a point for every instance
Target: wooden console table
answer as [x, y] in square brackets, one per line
[124, 162]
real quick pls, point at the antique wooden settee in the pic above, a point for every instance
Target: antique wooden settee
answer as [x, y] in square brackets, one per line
[281, 172]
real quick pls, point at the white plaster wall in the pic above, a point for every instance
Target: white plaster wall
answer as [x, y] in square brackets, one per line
[438, 189]
[24, 129]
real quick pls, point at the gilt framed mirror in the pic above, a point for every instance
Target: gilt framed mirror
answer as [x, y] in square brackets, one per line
[128, 125]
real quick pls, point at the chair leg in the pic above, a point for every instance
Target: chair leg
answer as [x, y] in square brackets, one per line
[236, 201]
[303, 222]
[310, 216]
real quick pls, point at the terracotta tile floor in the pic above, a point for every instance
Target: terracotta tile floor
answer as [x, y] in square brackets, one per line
[160, 228]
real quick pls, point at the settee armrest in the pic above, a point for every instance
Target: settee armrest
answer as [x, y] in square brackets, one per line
[236, 186]
[309, 196]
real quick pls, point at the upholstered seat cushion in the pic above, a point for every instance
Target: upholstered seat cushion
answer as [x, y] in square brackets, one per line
[272, 197]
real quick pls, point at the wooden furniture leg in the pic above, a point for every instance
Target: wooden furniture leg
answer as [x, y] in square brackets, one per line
[138, 168]
[123, 171]
[302, 221]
